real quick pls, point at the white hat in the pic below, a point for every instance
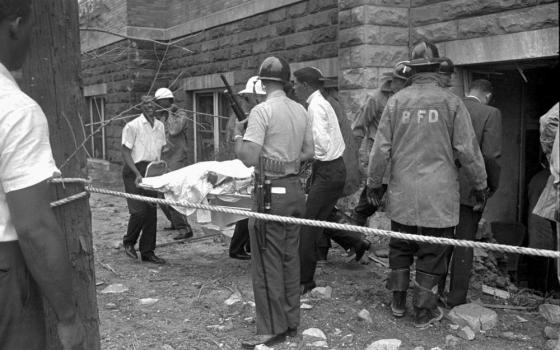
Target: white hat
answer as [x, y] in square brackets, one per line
[254, 86]
[162, 93]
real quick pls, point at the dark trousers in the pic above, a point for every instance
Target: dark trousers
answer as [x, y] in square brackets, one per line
[275, 261]
[327, 185]
[240, 239]
[460, 259]
[178, 220]
[22, 322]
[543, 275]
[430, 258]
[143, 216]
[346, 239]
[364, 208]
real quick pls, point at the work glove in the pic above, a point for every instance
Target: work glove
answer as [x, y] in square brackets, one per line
[480, 198]
[240, 127]
[375, 195]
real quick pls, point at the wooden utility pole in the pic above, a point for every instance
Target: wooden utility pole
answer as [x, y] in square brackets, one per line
[51, 76]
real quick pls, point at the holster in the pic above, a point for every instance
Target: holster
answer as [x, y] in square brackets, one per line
[398, 280]
[425, 290]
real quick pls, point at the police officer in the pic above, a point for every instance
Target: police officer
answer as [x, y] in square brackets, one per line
[365, 126]
[278, 137]
[422, 130]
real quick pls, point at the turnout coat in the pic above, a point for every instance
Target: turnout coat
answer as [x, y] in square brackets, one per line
[423, 130]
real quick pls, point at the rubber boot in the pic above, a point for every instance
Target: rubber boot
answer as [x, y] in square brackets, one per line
[398, 283]
[425, 300]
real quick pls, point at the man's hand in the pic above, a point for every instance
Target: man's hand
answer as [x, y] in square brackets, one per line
[71, 334]
[375, 195]
[239, 128]
[138, 180]
[480, 198]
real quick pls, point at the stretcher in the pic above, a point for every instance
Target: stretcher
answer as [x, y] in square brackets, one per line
[226, 184]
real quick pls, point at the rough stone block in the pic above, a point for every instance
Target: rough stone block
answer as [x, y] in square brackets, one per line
[319, 5]
[550, 312]
[352, 36]
[385, 35]
[248, 36]
[352, 18]
[384, 56]
[297, 10]
[389, 16]
[259, 47]
[478, 26]
[352, 100]
[276, 44]
[277, 15]
[529, 19]
[284, 28]
[475, 316]
[253, 22]
[426, 14]
[351, 57]
[267, 32]
[298, 40]
[418, 3]
[323, 35]
[358, 78]
[311, 52]
[437, 31]
[316, 20]
[385, 344]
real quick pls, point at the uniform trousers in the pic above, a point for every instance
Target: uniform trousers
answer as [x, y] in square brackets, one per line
[143, 216]
[327, 185]
[22, 322]
[275, 261]
[461, 258]
[364, 208]
[430, 258]
[346, 239]
[178, 220]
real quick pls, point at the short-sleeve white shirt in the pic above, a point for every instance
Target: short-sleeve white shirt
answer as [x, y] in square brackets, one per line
[25, 152]
[144, 141]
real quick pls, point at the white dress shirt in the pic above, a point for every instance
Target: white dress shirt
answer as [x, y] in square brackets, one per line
[25, 152]
[327, 138]
[144, 141]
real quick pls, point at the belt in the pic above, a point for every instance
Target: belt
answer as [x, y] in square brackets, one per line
[278, 168]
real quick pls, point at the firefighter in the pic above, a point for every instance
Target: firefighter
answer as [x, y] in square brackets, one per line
[365, 126]
[277, 139]
[424, 127]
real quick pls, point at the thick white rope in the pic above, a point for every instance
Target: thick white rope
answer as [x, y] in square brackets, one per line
[334, 226]
[69, 199]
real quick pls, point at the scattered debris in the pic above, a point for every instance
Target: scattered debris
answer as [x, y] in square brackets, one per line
[114, 288]
[249, 320]
[418, 348]
[148, 301]
[551, 332]
[305, 306]
[116, 244]
[475, 316]
[520, 319]
[451, 341]
[109, 268]
[347, 339]
[166, 347]
[381, 252]
[236, 297]
[318, 344]
[385, 344]
[322, 292]
[197, 284]
[313, 334]
[262, 347]
[495, 292]
[550, 312]
[337, 331]
[377, 260]
[513, 336]
[365, 315]
[97, 284]
[466, 333]
[553, 344]
[454, 326]
[110, 306]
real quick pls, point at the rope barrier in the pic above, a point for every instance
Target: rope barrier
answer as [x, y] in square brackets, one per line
[335, 226]
[68, 180]
[69, 199]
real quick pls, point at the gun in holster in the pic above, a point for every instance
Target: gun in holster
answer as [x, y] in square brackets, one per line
[233, 101]
[263, 192]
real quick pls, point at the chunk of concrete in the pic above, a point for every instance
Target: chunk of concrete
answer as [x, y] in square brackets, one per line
[451, 341]
[466, 333]
[365, 316]
[385, 344]
[551, 332]
[550, 312]
[477, 317]
[313, 334]
[322, 292]
[114, 289]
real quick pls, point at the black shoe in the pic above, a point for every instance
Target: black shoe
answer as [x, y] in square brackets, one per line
[291, 332]
[153, 259]
[130, 251]
[307, 287]
[398, 304]
[169, 228]
[183, 234]
[425, 317]
[240, 256]
[364, 246]
[358, 219]
[268, 340]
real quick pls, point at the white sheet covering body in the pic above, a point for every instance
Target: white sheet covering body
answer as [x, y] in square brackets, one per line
[191, 183]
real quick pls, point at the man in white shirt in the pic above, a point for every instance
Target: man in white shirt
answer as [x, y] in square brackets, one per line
[33, 257]
[328, 171]
[142, 142]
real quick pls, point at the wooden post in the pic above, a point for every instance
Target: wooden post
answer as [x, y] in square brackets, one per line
[51, 76]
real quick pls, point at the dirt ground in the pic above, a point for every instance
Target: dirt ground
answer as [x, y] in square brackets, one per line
[190, 312]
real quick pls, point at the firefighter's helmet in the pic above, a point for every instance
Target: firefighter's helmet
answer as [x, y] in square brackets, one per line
[424, 54]
[446, 66]
[274, 68]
